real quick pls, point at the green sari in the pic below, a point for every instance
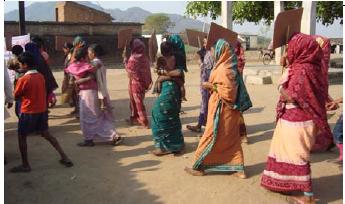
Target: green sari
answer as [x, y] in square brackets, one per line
[165, 123]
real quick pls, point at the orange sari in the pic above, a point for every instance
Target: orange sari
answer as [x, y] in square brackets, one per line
[220, 147]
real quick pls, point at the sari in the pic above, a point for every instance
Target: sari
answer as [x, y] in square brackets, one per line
[166, 123]
[240, 64]
[220, 146]
[205, 71]
[325, 138]
[288, 164]
[94, 123]
[138, 69]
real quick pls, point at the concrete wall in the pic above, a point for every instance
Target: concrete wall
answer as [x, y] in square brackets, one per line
[55, 34]
[68, 11]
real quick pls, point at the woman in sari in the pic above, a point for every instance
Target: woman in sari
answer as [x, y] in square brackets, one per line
[301, 114]
[220, 146]
[166, 123]
[140, 81]
[207, 63]
[94, 123]
[241, 61]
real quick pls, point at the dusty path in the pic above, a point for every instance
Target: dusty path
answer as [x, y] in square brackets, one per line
[127, 174]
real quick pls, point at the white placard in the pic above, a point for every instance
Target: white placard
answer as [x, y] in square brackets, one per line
[21, 40]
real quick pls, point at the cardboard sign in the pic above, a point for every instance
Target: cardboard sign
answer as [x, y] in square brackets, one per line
[195, 38]
[153, 47]
[21, 40]
[286, 23]
[217, 32]
[124, 37]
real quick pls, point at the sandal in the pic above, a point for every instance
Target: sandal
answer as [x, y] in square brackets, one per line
[86, 143]
[20, 169]
[117, 141]
[159, 152]
[193, 172]
[194, 128]
[66, 162]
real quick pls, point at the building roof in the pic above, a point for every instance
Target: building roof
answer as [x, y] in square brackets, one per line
[73, 23]
[65, 3]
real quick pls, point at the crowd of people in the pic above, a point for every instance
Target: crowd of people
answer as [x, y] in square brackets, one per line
[301, 122]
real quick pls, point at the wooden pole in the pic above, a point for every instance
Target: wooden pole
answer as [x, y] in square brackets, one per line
[21, 18]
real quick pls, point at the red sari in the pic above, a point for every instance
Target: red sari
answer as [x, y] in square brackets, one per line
[138, 69]
[325, 138]
[288, 164]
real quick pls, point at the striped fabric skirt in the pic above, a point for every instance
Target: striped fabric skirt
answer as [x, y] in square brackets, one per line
[288, 164]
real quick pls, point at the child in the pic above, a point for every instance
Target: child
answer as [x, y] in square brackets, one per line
[167, 67]
[34, 116]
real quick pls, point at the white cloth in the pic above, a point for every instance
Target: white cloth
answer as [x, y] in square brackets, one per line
[8, 91]
[101, 76]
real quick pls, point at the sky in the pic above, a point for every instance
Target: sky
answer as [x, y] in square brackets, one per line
[179, 7]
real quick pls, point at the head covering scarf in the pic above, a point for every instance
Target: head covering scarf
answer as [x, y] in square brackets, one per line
[304, 83]
[179, 51]
[42, 67]
[240, 56]
[139, 64]
[225, 56]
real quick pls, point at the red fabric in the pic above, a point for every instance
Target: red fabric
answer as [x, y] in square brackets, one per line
[240, 57]
[137, 106]
[325, 138]
[138, 67]
[286, 169]
[32, 91]
[304, 83]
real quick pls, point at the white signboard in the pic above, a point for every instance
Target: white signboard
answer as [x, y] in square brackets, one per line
[21, 40]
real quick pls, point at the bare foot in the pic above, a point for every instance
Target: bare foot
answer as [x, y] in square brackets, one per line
[193, 172]
[159, 152]
[240, 174]
[195, 128]
[302, 199]
[245, 140]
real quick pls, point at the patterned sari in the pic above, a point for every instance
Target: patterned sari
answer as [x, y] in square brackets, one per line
[325, 138]
[220, 147]
[205, 71]
[288, 164]
[138, 69]
[240, 64]
[165, 123]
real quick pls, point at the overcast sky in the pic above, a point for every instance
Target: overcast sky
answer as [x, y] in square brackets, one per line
[179, 7]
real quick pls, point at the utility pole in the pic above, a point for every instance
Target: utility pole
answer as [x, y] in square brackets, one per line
[21, 18]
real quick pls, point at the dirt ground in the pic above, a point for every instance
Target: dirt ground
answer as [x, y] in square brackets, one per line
[127, 174]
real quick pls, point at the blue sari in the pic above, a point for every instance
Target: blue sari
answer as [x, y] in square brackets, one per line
[166, 123]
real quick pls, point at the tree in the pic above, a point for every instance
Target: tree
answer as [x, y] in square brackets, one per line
[160, 22]
[255, 11]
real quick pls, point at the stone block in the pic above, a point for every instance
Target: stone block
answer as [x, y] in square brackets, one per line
[260, 80]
